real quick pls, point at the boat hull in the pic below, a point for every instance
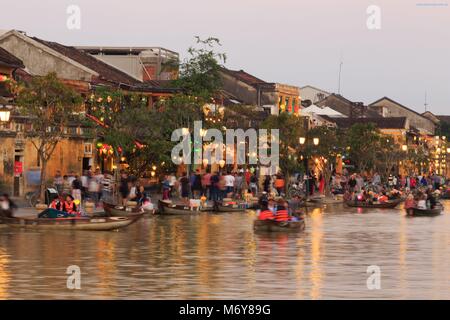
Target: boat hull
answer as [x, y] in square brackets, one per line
[413, 212]
[231, 208]
[273, 226]
[120, 211]
[89, 224]
[167, 208]
[385, 205]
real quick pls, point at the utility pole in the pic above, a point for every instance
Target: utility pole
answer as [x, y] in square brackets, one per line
[425, 103]
[340, 71]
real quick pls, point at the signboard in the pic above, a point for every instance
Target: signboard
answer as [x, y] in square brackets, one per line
[18, 168]
[33, 177]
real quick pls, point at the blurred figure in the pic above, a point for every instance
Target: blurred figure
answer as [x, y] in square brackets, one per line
[76, 188]
[7, 206]
[166, 188]
[229, 185]
[196, 185]
[124, 190]
[67, 186]
[107, 186]
[185, 187]
[59, 182]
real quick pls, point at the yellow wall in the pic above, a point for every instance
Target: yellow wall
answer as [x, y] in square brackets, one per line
[67, 157]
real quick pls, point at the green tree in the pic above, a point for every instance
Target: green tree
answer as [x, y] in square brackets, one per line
[331, 145]
[49, 106]
[388, 155]
[127, 124]
[291, 128]
[363, 143]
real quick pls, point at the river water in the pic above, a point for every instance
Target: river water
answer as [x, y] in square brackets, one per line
[211, 256]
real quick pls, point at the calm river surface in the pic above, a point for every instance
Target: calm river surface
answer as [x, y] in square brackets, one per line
[220, 257]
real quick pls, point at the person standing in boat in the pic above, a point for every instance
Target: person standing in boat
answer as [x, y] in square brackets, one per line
[166, 188]
[410, 203]
[431, 199]
[124, 190]
[185, 187]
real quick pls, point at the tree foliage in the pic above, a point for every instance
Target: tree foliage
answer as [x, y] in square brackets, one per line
[50, 106]
[290, 129]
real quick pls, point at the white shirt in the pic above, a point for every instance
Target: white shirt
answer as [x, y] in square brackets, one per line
[229, 180]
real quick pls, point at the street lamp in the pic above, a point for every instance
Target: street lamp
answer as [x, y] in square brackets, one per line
[316, 141]
[405, 147]
[302, 141]
[5, 113]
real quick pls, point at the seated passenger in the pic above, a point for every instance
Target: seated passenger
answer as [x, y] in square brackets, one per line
[265, 213]
[383, 198]
[410, 202]
[57, 204]
[282, 213]
[69, 205]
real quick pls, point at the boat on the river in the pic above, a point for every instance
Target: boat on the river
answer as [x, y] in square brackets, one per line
[72, 223]
[167, 207]
[415, 212]
[275, 226]
[445, 195]
[121, 211]
[231, 207]
[375, 205]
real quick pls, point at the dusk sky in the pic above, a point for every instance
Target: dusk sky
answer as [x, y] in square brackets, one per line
[289, 41]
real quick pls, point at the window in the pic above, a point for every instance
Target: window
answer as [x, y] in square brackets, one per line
[19, 127]
[88, 149]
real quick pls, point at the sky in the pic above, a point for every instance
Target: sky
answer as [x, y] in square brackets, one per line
[295, 42]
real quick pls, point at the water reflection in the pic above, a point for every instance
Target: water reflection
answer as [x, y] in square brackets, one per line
[219, 256]
[316, 250]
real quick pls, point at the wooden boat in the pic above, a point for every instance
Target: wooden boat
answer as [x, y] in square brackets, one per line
[414, 212]
[166, 207]
[445, 195]
[383, 205]
[112, 210]
[92, 224]
[231, 207]
[274, 226]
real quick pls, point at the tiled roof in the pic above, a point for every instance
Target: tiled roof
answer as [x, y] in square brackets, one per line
[444, 118]
[105, 71]
[381, 123]
[397, 103]
[9, 60]
[244, 77]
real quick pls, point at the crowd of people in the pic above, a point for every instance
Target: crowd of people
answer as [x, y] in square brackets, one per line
[214, 186]
[91, 185]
